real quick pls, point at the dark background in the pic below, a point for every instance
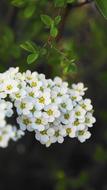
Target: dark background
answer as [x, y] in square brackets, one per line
[27, 164]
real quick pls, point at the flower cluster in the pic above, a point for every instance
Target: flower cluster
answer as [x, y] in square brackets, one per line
[48, 107]
[7, 131]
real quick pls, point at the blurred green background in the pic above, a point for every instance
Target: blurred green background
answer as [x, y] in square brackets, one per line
[27, 164]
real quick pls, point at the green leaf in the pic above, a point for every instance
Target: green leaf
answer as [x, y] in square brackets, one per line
[28, 46]
[57, 20]
[17, 3]
[32, 57]
[53, 31]
[59, 3]
[47, 20]
[70, 66]
[102, 6]
[70, 1]
[43, 51]
[73, 67]
[29, 11]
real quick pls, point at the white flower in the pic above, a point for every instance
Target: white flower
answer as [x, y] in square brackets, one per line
[41, 77]
[32, 93]
[66, 104]
[2, 119]
[59, 91]
[80, 88]
[51, 112]
[34, 112]
[58, 81]
[71, 131]
[79, 112]
[25, 123]
[10, 86]
[21, 78]
[43, 100]
[12, 72]
[75, 96]
[58, 137]
[17, 134]
[83, 135]
[39, 123]
[2, 95]
[50, 132]
[42, 137]
[35, 83]
[78, 124]
[67, 117]
[89, 119]
[86, 104]
[6, 108]
[9, 111]
[6, 134]
[3, 140]
[24, 106]
[20, 94]
[30, 76]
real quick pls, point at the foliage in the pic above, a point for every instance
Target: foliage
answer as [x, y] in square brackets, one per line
[44, 41]
[102, 5]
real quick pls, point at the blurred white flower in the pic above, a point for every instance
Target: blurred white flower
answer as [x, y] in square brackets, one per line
[83, 135]
[80, 88]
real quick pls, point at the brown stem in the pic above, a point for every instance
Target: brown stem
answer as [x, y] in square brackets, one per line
[11, 16]
[65, 15]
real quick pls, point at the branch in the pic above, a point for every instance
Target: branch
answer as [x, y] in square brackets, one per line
[77, 5]
[66, 14]
[11, 16]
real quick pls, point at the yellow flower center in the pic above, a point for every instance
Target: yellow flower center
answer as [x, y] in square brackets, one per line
[76, 123]
[66, 116]
[9, 87]
[59, 94]
[1, 138]
[87, 120]
[38, 121]
[43, 132]
[81, 133]
[42, 100]
[33, 84]
[33, 110]
[26, 121]
[50, 112]
[18, 95]
[73, 97]
[41, 88]
[68, 130]
[78, 113]
[23, 105]
[31, 94]
[63, 105]
[83, 106]
[57, 133]
[29, 78]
